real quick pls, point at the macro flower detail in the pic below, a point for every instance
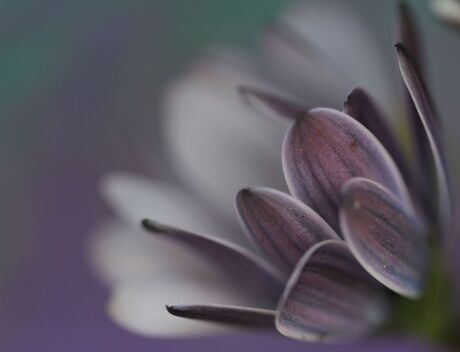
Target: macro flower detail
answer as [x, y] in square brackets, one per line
[333, 259]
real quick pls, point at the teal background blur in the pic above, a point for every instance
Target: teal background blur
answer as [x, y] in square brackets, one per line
[79, 81]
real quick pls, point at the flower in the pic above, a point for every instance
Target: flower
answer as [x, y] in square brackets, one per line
[355, 223]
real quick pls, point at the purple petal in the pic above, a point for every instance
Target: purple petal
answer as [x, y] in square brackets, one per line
[409, 37]
[252, 317]
[422, 101]
[330, 297]
[407, 32]
[324, 149]
[363, 108]
[282, 226]
[251, 272]
[271, 105]
[384, 236]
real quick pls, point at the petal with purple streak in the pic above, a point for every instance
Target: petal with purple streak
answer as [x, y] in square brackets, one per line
[409, 36]
[253, 274]
[240, 316]
[385, 237]
[281, 225]
[419, 93]
[330, 297]
[325, 148]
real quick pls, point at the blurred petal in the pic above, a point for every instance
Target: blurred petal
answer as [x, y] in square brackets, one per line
[422, 101]
[447, 10]
[217, 144]
[134, 198]
[271, 105]
[324, 149]
[252, 273]
[140, 306]
[329, 297]
[282, 226]
[385, 238]
[251, 317]
[297, 65]
[119, 252]
[313, 51]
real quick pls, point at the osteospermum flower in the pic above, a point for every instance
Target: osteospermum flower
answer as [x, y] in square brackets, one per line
[353, 229]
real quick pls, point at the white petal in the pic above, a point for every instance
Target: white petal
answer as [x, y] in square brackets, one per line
[448, 10]
[218, 144]
[349, 52]
[134, 198]
[118, 253]
[140, 306]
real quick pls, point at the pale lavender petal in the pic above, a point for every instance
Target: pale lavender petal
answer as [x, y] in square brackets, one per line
[251, 272]
[271, 105]
[138, 305]
[241, 316]
[363, 108]
[281, 225]
[330, 297]
[422, 101]
[217, 144]
[388, 240]
[324, 149]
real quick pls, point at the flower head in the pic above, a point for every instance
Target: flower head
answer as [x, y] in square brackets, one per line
[353, 235]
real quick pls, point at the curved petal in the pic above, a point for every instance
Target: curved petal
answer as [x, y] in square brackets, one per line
[241, 316]
[324, 149]
[134, 198]
[140, 306]
[118, 253]
[251, 273]
[217, 144]
[314, 50]
[282, 226]
[385, 238]
[418, 91]
[330, 297]
[408, 35]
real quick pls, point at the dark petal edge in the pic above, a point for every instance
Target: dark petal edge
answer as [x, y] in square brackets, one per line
[242, 316]
[418, 91]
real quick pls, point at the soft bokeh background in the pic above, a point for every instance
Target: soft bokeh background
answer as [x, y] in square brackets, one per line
[79, 89]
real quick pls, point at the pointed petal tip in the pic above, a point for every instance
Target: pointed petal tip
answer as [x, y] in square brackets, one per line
[153, 226]
[233, 315]
[177, 311]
